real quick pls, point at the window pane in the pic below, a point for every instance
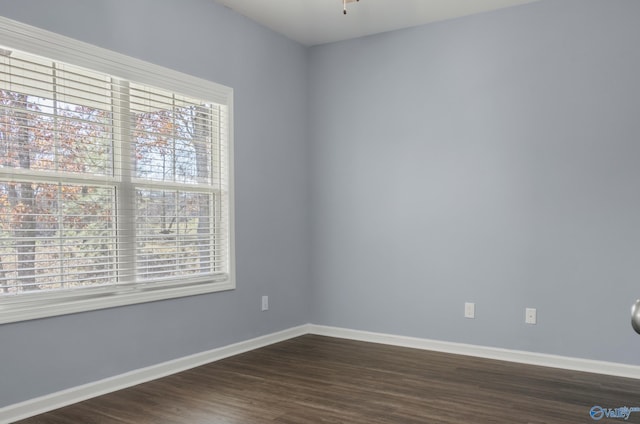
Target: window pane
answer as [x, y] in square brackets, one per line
[175, 237]
[83, 140]
[55, 236]
[36, 135]
[54, 118]
[26, 132]
[172, 137]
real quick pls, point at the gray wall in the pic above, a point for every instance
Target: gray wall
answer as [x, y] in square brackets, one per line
[269, 76]
[493, 159]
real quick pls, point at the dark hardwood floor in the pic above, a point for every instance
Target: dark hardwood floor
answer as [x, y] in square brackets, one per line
[315, 380]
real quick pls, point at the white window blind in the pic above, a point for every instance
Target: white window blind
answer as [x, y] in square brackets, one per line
[113, 190]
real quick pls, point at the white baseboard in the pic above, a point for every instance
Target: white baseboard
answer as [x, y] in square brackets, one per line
[62, 398]
[523, 357]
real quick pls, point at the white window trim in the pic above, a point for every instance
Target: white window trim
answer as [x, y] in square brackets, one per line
[64, 49]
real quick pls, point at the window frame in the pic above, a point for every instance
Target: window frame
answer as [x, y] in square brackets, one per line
[14, 308]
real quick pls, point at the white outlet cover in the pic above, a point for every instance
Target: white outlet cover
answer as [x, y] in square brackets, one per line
[530, 316]
[469, 310]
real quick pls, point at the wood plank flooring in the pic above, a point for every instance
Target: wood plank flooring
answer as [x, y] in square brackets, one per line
[314, 380]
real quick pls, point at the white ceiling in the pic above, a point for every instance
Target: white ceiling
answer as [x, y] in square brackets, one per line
[313, 22]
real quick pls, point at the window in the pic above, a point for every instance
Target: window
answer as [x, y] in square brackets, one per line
[115, 179]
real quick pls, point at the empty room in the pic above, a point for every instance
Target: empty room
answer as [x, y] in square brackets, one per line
[319, 211]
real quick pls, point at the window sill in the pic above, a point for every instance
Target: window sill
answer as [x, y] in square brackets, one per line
[43, 305]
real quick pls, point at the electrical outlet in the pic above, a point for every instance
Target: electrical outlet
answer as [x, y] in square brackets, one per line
[265, 303]
[530, 316]
[469, 310]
